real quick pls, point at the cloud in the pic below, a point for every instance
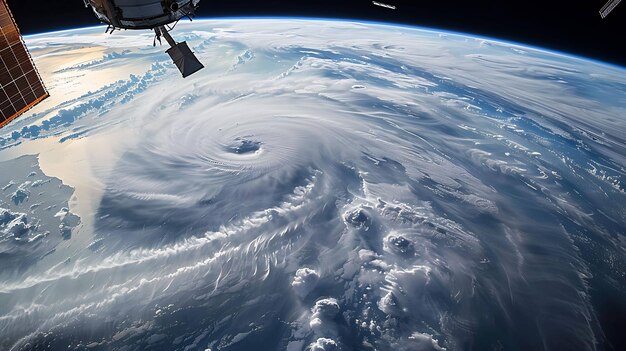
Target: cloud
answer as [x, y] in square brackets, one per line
[323, 344]
[304, 281]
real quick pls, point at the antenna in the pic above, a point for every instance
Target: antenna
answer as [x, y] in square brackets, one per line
[180, 53]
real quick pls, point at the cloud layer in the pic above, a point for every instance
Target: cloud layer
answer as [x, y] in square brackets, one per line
[327, 186]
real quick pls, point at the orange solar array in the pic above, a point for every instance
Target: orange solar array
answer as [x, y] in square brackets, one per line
[20, 85]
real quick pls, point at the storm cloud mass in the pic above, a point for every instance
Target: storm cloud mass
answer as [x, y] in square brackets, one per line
[318, 186]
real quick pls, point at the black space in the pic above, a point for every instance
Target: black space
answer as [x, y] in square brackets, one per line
[572, 26]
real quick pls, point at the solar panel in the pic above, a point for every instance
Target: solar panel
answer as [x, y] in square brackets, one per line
[20, 84]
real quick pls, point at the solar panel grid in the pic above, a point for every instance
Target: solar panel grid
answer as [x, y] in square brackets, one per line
[20, 85]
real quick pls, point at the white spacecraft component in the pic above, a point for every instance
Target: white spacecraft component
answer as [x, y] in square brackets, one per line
[608, 7]
[381, 4]
[155, 15]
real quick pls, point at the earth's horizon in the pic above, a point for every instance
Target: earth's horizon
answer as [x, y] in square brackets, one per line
[322, 184]
[499, 40]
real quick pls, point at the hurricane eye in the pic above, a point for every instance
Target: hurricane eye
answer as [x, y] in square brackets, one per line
[244, 146]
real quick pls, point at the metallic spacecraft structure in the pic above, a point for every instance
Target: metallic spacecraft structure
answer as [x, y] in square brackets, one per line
[155, 15]
[20, 84]
[385, 5]
[608, 7]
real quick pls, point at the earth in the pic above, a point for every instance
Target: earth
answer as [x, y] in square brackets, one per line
[320, 185]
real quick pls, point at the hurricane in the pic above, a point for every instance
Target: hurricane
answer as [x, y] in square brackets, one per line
[320, 185]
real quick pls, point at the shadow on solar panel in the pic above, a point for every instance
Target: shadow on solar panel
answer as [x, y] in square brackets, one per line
[20, 84]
